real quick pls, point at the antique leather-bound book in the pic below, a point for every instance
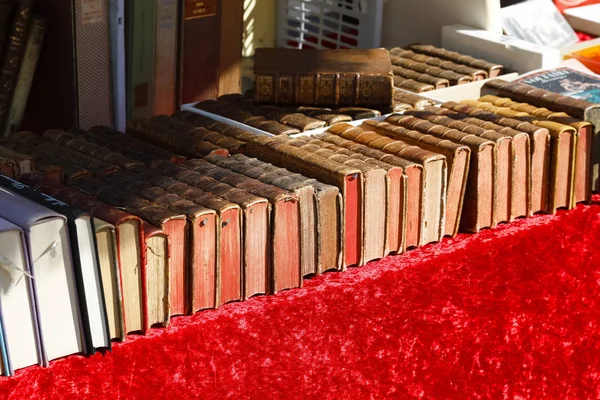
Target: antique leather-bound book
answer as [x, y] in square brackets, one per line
[21, 163]
[285, 224]
[477, 74]
[348, 180]
[43, 163]
[324, 114]
[256, 234]
[306, 201]
[129, 242]
[375, 201]
[395, 196]
[502, 153]
[413, 100]
[165, 63]
[520, 173]
[156, 257]
[454, 78]
[7, 166]
[437, 82]
[539, 144]
[172, 223]
[492, 69]
[314, 77]
[408, 234]
[327, 204]
[562, 158]
[458, 158]
[580, 109]
[86, 268]
[204, 285]
[583, 153]
[412, 85]
[478, 204]
[432, 208]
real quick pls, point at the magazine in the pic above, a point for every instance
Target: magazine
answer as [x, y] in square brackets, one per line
[566, 81]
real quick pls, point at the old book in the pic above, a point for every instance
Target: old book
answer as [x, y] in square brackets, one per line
[325, 114]
[13, 56]
[478, 204]
[520, 158]
[165, 67]
[285, 225]
[359, 112]
[432, 209]
[292, 119]
[21, 163]
[199, 51]
[7, 166]
[19, 323]
[255, 235]
[313, 77]
[453, 77]
[86, 268]
[492, 69]
[539, 143]
[412, 100]
[231, 25]
[274, 127]
[51, 272]
[562, 159]
[204, 285]
[583, 152]
[477, 74]
[107, 243]
[412, 85]
[156, 261]
[200, 244]
[405, 73]
[395, 196]
[327, 209]
[457, 156]
[141, 56]
[33, 47]
[409, 224]
[576, 98]
[349, 181]
[503, 161]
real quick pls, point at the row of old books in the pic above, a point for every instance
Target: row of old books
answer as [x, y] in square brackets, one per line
[113, 60]
[189, 213]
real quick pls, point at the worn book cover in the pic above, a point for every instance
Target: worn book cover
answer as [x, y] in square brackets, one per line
[566, 81]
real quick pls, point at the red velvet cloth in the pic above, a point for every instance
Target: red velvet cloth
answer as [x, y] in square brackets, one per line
[511, 312]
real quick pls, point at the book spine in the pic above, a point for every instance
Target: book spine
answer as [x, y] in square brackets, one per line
[325, 89]
[25, 79]
[231, 14]
[5, 12]
[14, 54]
[140, 96]
[165, 84]
[117, 49]
[199, 51]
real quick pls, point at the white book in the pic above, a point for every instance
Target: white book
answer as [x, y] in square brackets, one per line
[585, 19]
[16, 300]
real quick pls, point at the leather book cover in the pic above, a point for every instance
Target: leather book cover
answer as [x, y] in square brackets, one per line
[457, 156]
[165, 68]
[453, 77]
[477, 74]
[539, 143]
[314, 77]
[409, 74]
[141, 58]
[411, 85]
[33, 48]
[7, 166]
[199, 51]
[348, 180]
[327, 205]
[562, 158]
[583, 153]
[13, 56]
[156, 256]
[413, 100]
[285, 225]
[43, 164]
[520, 172]
[231, 25]
[478, 204]
[358, 112]
[492, 69]
[21, 163]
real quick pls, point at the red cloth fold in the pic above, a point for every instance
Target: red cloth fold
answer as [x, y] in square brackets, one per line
[511, 312]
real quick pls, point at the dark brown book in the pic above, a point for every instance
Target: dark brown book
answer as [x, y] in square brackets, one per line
[285, 224]
[540, 149]
[453, 77]
[13, 55]
[314, 77]
[583, 153]
[252, 279]
[412, 85]
[8, 167]
[21, 163]
[409, 74]
[492, 69]
[477, 74]
[327, 207]
[359, 112]
[325, 114]
[412, 100]
[231, 25]
[457, 156]
[478, 204]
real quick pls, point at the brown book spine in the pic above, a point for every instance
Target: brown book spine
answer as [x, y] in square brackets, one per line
[438, 83]
[492, 69]
[231, 13]
[165, 85]
[200, 57]
[11, 62]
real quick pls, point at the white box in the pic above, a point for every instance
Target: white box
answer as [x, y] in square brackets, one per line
[515, 54]
[585, 19]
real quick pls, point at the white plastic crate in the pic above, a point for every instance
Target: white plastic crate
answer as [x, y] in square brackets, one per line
[329, 24]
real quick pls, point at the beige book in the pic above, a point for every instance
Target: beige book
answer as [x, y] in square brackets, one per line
[156, 258]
